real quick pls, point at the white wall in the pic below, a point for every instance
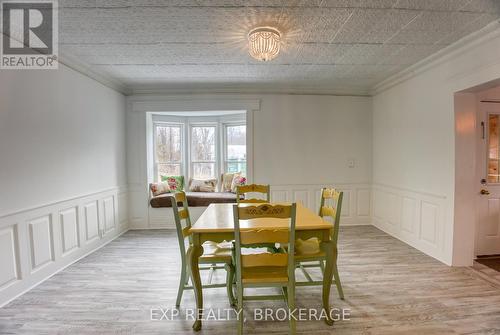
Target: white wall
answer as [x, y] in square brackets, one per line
[62, 173]
[61, 136]
[414, 147]
[309, 139]
[300, 143]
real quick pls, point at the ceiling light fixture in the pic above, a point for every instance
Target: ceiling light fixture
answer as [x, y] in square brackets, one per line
[264, 43]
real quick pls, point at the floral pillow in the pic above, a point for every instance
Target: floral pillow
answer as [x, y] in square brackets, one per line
[176, 183]
[199, 185]
[237, 181]
[226, 180]
[159, 188]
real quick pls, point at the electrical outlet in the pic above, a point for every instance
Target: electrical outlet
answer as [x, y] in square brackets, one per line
[351, 163]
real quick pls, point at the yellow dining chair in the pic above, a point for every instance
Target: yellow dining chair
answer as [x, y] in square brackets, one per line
[264, 269]
[252, 188]
[213, 254]
[308, 253]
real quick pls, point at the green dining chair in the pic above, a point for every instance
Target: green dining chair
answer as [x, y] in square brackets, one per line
[218, 258]
[308, 253]
[264, 269]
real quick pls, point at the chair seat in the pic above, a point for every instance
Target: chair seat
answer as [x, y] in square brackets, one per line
[264, 274]
[216, 253]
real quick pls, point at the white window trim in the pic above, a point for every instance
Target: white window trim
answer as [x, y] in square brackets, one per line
[182, 140]
[220, 122]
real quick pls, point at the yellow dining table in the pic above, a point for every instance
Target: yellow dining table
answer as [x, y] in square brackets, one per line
[216, 224]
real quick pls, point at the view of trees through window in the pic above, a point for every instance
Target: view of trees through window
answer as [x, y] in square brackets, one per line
[236, 149]
[168, 152]
[206, 156]
[203, 152]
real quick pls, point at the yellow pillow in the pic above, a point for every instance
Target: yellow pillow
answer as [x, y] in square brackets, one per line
[307, 247]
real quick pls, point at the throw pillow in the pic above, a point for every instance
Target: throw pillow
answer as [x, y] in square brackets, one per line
[226, 180]
[176, 183]
[198, 185]
[237, 181]
[307, 247]
[159, 188]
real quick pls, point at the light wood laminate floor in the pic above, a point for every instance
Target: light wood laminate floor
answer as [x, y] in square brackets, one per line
[390, 288]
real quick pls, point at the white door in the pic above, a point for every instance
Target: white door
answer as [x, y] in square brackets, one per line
[488, 165]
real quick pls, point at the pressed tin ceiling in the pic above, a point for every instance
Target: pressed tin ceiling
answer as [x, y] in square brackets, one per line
[329, 46]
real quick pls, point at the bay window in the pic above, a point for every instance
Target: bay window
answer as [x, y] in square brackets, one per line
[199, 147]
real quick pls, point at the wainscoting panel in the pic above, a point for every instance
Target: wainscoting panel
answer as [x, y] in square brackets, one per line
[356, 205]
[41, 242]
[163, 218]
[9, 257]
[409, 215]
[363, 203]
[36, 243]
[108, 206]
[69, 230]
[91, 221]
[414, 217]
[429, 222]
[122, 209]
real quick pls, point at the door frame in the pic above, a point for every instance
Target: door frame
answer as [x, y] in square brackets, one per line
[466, 185]
[484, 110]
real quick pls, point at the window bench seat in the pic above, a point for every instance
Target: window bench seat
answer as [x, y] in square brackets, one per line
[195, 199]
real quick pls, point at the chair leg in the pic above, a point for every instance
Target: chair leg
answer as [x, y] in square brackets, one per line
[322, 267]
[240, 309]
[337, 281]
[291, 308]
[229, 284]
[182, 283]
[211, 273]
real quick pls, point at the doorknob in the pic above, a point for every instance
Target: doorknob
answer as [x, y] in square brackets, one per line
[484, 192]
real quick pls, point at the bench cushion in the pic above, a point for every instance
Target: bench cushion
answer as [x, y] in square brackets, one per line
[195, 199]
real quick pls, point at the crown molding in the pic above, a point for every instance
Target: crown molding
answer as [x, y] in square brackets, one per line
[79, 66]
[244, 89]
[186, 103]
[489, 32]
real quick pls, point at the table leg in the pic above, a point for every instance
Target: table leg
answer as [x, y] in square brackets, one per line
[193, 254]
[327, 279]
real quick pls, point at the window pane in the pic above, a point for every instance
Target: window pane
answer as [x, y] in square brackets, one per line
[168, 144]
[493, 148]
[236, 137]
[169, 170]
[203, 143]
[203, 170]
[232, 167]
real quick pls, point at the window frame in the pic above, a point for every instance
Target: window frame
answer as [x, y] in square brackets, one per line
[194, 124]
[225, 159]
[157, 124]
[220, 122]
[488, 143]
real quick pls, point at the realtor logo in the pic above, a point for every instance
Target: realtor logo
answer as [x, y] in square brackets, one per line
[29, 34]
